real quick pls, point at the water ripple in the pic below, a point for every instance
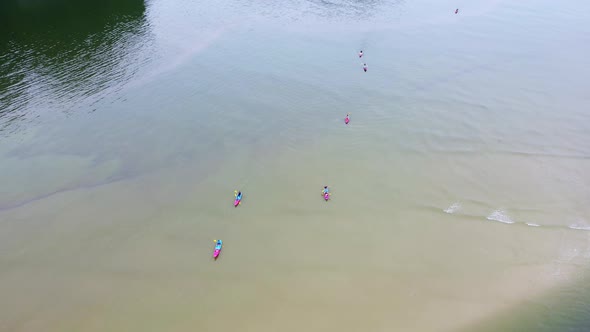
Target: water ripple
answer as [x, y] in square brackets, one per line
[48, 69]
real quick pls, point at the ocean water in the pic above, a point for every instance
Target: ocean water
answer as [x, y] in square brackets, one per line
[460, 188]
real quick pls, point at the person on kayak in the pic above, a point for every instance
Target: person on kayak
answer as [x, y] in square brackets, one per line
[361, 54]
[456, 10]
[238, 199]
[365, 67]
[326, 190]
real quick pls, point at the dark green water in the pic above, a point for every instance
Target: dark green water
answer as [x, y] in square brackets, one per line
[461, 186]
[61, 49]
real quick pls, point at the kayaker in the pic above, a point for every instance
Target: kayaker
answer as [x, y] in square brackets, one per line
[456, 10]
[361, 54]
[217, 249]
[347, 119]
[365, 67]
[326, 190]
[238, 199]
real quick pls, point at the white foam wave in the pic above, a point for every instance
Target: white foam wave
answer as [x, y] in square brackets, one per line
[532, 224]
[580, 226]
[500, 216]
[453, 208]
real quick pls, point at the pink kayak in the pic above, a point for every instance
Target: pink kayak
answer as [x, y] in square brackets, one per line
[346, 120]
[238, 199]
[217, 250]
[326, 193]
